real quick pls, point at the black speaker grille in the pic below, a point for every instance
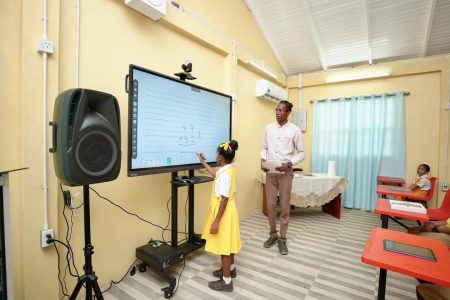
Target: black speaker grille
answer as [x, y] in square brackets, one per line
[96, 153]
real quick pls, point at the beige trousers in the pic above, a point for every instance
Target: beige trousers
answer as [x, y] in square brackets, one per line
[279, 185]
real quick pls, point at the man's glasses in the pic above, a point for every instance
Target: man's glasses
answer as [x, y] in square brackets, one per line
[279, 110]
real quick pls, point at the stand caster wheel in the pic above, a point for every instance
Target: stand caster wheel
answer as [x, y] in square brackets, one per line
[168, 292]
[142, 268]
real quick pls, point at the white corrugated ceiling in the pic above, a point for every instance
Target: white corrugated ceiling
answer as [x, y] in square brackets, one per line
[312, 35]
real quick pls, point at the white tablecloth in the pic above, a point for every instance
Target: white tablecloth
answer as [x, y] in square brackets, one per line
[315, 190]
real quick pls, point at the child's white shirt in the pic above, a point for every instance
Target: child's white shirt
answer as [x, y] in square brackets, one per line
[223, 182]
[424, 183]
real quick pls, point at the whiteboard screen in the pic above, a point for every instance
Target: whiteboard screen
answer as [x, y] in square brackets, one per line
[172, 120]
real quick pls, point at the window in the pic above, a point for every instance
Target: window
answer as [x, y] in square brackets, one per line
[366, 136]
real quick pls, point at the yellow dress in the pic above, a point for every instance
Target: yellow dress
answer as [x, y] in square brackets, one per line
[228, 239]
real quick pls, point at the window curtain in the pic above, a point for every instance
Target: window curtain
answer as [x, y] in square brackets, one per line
[365, 135]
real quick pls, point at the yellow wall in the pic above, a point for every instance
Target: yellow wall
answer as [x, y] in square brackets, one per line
[111, 37]
[426, 119]
[11, 129]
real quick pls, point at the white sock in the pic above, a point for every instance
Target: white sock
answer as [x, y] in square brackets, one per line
[232, 267]
[227, 279]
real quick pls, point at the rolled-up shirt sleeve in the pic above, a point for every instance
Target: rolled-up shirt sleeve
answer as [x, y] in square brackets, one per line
[264, 146]
[299, 148]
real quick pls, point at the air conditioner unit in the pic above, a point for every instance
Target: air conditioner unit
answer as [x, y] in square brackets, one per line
[269, 91]
[154, 9]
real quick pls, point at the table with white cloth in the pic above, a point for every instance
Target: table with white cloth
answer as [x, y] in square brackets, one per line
[319, 189]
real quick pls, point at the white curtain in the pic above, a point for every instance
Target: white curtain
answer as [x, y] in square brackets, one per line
[365, 135]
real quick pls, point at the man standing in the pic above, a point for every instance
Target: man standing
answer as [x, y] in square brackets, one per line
[282, 145]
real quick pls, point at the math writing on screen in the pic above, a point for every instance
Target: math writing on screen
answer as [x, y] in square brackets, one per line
[189, 135]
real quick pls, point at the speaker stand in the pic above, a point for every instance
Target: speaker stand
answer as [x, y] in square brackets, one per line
[89, 277]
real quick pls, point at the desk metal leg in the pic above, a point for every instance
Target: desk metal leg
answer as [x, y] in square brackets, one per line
[382, 284]
[384, 221]
[399, 223]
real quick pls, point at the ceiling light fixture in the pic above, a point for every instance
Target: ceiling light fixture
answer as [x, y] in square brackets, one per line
[261, 69]
[351, 77]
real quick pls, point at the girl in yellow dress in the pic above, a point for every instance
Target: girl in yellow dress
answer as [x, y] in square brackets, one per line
[221, 228]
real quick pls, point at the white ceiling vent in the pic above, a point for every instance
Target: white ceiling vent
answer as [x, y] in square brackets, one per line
[154, 9]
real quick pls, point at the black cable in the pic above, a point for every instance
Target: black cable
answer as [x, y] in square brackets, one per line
[69, 255]
[117, 282]
[68, 242]
[151, 223]
[130, 213]
[179, 276]
[168, 221]
[63, 286]
[77, 207]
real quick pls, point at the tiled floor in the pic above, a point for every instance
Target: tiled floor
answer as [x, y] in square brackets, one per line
[324, 262]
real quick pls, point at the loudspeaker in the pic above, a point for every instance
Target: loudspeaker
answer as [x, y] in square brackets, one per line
[86, 137]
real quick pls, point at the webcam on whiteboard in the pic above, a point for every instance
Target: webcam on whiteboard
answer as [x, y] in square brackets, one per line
[186, 74]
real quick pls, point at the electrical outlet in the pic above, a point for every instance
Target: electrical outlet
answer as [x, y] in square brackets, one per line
[45, 46]
[45, 235]
[445, 186]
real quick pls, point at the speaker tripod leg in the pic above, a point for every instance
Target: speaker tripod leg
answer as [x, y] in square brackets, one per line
[97, 291]
[91, 284]
[89, 277]
[75, 292]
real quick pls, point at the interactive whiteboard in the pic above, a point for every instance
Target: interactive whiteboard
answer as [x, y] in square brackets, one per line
[171, 120]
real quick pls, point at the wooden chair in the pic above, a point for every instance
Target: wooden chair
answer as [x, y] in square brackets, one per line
[441, 213]
[428, 197]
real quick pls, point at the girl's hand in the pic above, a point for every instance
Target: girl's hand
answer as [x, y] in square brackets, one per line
[201, 157]
[214, 228]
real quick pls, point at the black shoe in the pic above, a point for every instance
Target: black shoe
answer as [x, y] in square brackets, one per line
[219, 273]
[270, 241]
[282, 247]
[221, 286]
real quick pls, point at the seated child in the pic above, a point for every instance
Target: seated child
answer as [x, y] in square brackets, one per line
[422, 184]
[435, 229]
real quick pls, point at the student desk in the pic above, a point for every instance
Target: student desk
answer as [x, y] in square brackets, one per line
[431, 271]
[385, 190]
[383, 207]
[390, 180]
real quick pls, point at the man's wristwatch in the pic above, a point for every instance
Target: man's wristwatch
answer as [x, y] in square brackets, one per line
[289, 164]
